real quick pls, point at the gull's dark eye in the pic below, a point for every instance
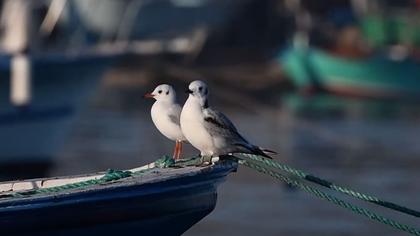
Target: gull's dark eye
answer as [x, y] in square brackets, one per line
[200, 88]
[160, 91]
[167, 92]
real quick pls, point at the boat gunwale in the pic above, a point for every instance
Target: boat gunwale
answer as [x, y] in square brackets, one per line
[12, 186]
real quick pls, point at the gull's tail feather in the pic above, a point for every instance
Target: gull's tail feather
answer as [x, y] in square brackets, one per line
[268, 151]
[252, 149]
[263, 152]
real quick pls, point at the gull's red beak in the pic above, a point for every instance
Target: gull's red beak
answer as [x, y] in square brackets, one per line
[148, 95]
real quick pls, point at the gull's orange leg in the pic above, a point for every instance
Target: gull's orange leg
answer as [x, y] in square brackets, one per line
[179, 150]
[176, 150]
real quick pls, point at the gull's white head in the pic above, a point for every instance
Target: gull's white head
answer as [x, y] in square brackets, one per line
[163, 92]
[198, 89]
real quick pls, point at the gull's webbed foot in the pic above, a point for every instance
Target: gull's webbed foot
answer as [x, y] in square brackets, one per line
[207, 160]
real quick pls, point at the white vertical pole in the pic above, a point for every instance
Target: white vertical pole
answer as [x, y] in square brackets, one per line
[20, 80]
[16, 19]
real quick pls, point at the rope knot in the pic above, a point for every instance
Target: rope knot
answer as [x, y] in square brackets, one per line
[116, 175]
[164, 162]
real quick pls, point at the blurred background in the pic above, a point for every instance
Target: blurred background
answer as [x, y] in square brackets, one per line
[332, 85]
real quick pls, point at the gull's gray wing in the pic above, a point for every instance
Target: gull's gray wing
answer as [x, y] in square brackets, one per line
[174, 114]
[174, 119]
[217, 124]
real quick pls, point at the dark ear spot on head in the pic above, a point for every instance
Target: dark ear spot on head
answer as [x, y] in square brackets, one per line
[167, 92]
[206, 104]
[205, 91]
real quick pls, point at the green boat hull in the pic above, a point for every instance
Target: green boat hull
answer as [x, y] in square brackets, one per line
[377, 77]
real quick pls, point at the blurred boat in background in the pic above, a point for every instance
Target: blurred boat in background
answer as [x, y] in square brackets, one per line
[371, 77]
[30, 135]
[42, 86]
[147, 19]
[363, 49]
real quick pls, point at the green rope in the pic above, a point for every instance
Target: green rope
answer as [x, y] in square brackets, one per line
[325, 183]
[334, 200]
[164, 162]
[195, 161]
[110, 175]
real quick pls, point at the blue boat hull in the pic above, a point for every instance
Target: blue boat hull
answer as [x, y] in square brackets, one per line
[167, 207]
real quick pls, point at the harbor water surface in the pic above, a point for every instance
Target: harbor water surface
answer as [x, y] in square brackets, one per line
[369, 146]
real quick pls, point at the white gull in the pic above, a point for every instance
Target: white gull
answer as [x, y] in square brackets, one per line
[166, 115]
[209, 130]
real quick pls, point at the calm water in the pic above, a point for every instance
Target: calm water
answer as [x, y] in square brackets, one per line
[372, 148]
